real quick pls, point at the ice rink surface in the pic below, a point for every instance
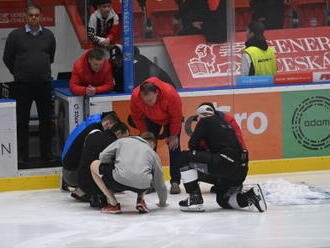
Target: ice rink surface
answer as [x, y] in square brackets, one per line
[298, 216]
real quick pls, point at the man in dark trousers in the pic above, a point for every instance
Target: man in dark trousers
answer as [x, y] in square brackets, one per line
[28, 55]
[95, 142]
[155, 104]
[215, 150]
[74, 144]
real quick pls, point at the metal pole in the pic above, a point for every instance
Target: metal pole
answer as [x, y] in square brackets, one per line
[128, 43]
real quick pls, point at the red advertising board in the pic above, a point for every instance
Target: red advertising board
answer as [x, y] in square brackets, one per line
[11, 17]
[201, 64]
[259, 116]
[293, 78]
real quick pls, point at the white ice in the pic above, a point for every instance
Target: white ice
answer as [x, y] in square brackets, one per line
[50, 218]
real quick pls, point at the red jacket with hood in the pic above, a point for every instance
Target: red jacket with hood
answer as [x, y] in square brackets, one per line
[166, 111]
[82, 76]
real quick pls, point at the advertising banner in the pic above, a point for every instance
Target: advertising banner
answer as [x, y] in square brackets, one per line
[69, 110]
[15, 17]
[259, 116]
[8, 140]
[306, 123]
[202, 64]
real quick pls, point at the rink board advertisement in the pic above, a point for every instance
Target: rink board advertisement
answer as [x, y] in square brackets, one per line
[259, 118]
[8, 141]
[202, 64]
[275, 125]
[306, 123]
[70, 113]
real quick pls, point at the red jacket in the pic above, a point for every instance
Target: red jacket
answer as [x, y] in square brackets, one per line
[232, 122]
[82, 76]
[166, 111]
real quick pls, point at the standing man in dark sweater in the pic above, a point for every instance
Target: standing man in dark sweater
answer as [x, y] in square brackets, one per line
[28, 55]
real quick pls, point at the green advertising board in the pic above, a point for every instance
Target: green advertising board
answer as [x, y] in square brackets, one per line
[306, 123]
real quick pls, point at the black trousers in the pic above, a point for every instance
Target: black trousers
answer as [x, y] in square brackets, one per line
[215, 168]
[25, 93]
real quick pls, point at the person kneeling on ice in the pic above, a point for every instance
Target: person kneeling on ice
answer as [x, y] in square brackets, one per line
[129, 164]
[224, 159]
[95, 142]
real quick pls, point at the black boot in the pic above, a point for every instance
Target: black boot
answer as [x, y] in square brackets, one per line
[98, 201]
[254, 197]
[194, 203]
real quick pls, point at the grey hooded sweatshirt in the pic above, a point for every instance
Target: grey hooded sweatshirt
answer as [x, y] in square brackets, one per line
[136, 165]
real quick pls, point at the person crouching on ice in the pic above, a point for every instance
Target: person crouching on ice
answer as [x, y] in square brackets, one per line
[216, 151]
[129, 164]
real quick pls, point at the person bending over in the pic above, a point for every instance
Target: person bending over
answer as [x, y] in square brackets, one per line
[129, 164]
[95, 142]
[74, 144]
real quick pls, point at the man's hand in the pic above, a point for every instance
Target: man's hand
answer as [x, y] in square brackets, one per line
[90, 90]
[173, 142]
[197, 25]
[106, 42]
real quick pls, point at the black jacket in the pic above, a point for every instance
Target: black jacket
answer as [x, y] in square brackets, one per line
[94, 144]
[72, 158]
[143, 69]
[217, 134]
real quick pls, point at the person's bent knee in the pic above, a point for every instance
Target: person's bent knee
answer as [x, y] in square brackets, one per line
[223, 203]
[95, 165]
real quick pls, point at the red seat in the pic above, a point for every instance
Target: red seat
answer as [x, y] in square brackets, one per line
[287, 16]
[311, 13]
[243, 14]
[162, 13]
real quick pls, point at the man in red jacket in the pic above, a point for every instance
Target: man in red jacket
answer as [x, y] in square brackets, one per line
[155, 104]
[92, 74]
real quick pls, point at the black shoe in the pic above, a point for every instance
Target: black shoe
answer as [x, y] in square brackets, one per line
[194, 203]
[175, 189]
[255, 198]
[83, 198]
[65, 186]
[98, 201]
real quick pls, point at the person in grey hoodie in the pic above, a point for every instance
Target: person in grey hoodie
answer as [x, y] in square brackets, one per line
[129, 164]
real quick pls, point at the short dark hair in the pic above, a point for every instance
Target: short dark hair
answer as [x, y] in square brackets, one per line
[32, 6]
[147, 87]
[120, 126]
[257, 28]
[111, 116]
[100, 2]
[148, 136]
[96, 53]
